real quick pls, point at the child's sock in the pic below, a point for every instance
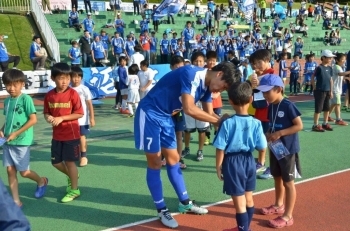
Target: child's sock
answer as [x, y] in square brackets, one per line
[242, 221]
[154, 184]
[130, 109]
[136, 105]
[177, 180]
[250, 212]
[83, 154]
[123, 104]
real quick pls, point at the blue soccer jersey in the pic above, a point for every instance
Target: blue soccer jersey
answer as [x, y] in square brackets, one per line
[75, 54]
[240, 133]
[154, 126]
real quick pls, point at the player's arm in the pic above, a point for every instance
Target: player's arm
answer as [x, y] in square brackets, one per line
[219, 159]
[192, 110]
[296, 127]
[208, 107]
[48, 117]
[147, 84]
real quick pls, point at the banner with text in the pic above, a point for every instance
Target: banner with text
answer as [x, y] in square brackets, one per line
[168, 7]
[98, 79]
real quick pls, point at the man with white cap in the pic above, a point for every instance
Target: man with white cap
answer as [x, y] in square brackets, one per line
[322, 84]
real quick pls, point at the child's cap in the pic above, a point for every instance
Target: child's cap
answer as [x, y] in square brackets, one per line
[327, 53]
[270, 81]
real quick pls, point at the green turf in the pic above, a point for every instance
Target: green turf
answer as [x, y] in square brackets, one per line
[113, 185]
[20, 32]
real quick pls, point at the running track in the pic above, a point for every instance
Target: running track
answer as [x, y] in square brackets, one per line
[323, 204]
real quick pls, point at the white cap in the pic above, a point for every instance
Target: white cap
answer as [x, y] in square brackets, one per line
[89, 13]
[327, 53]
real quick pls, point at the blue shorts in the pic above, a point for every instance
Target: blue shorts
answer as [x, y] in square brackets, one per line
[153, 130]
[84, 130]
[179, 122]
[239, 173]
[17, 156]
[307, 78]
[217, 111]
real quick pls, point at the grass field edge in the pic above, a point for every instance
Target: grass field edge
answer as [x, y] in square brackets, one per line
[224, 201]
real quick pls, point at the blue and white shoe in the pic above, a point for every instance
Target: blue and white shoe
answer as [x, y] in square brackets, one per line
[266, 175]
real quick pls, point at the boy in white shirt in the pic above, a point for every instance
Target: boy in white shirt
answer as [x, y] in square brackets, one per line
[137, 57]
[146, 78]
[133, 83]
[86, 102]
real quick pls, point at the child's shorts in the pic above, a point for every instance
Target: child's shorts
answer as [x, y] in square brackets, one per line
[321, 101]
[285, 167]
[307, 79]
[65, 151]
[336, 99]
[17, 156]
[192, 125]
[133, 96]
[124, 91]
[179, 122]
[239, 173]
[217, 111]
[84, 130]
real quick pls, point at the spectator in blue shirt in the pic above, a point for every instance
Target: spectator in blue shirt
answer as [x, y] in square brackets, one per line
[98, 52]
[73, 18]
[289, 7]
[153, 43]
[36, 57]
[118, 46]
[89, 24]
[188, 34]
[119, 25]
[164, 49]
[74, 54]
[5, 57]
[144, 24]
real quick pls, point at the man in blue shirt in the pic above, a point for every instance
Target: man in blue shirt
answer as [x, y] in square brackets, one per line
[5, 57]
[188, 33]
[73, 18]
[164, 49]
[144, 24]
[119, 25]
[89, 24]
[154, 127]
[35, 56]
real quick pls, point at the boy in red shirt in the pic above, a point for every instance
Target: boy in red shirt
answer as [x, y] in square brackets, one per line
[62, 109]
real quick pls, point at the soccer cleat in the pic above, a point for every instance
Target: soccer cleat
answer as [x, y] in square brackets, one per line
[185, 152]
[327, 127]
[131, 116]
[71, 195]
[317, 128]
[266, 174]
[260, 167]
[330, 119]
[40, 190]
[167, 219]
[207, 141]
[341, 122]
[192, 207]
[69, 183]
[200, 155]
[182, 164]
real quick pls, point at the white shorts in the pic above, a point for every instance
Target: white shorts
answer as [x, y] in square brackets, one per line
[133, 96]
[124, 91]
[17, 156]
[192, 124]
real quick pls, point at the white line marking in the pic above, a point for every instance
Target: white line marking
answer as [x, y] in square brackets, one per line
[225, 201]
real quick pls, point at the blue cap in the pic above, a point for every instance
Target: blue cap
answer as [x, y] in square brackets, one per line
[270, 81]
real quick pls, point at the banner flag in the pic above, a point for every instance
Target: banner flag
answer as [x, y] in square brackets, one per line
[168, 7]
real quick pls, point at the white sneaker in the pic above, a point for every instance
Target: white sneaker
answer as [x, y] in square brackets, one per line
[192, 207]
[167, 219]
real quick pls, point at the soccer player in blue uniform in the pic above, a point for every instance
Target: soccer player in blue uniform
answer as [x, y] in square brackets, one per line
[237, 137]
[154, 126]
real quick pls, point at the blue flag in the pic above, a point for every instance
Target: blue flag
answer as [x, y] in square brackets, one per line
[168, 7]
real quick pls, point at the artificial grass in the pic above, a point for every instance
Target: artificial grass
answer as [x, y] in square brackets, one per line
[20, 33]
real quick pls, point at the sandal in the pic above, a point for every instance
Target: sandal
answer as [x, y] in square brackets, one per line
[279, 222]
[272, 210]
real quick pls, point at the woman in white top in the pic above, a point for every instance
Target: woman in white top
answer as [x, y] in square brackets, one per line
[288, 45]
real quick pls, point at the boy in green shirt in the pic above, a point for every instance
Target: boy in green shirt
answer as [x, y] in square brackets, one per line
[17, 133]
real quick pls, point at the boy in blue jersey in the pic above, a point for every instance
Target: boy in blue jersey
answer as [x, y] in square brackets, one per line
[154, 130]
[74, 54]
[285, 123]
[237, 137]
[89, 24]
[153, 46]
[294, 75]
[310, 67]
[164, 49]
[123, 75]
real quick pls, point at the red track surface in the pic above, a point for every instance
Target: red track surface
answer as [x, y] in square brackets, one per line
[322, 204]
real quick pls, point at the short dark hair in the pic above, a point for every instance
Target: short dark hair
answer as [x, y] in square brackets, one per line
[231, 52]
[231, 73]
[60, 69]
[133, 69]
[176, 59]
[138, 48]
[144, 63]
[197, 54]
[339, 56]
[295, 56]
[211, 55]
[74, 42]
[13, 76]
[262, 54]
[240, 93]
[121, 58]
[76, 71]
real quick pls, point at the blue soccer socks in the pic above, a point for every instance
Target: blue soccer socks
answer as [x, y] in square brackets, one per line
[177, 180]
[154, 184]
[250, 212]
[242, 221]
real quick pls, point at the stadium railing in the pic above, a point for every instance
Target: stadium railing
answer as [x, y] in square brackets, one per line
[45, 29]
[14, 6]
